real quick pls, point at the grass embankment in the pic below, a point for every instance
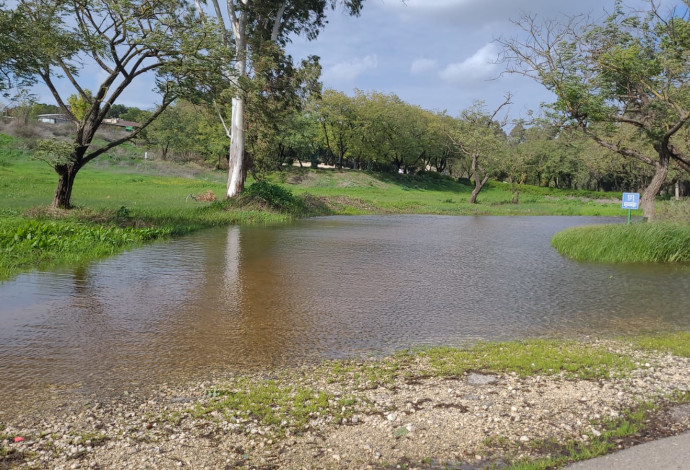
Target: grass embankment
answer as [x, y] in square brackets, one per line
[659, 242]
[123, 200]
[117, 207]
[362, 192]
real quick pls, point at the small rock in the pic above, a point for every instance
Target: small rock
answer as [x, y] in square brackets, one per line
[481, 379]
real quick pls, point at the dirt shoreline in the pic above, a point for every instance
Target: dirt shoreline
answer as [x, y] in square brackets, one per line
[408, 420]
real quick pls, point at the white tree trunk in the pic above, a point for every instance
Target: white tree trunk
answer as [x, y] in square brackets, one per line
[236, 170]
[236, 161]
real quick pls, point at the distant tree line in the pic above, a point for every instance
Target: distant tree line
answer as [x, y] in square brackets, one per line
[380, 132]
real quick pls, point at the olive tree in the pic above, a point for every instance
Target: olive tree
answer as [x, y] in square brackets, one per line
[480, 137]
[124, 41]
[630, 71]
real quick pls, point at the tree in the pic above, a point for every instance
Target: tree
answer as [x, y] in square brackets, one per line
[632, 71]
[338, 118]
[481, 138]
[278, 91]
[116, 111]
[125, 41]
[15, 29]
[253, 29]
[175, 130]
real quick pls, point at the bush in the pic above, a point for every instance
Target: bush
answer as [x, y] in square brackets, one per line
[275, 196]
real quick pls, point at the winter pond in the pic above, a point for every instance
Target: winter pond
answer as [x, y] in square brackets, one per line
[257, 297]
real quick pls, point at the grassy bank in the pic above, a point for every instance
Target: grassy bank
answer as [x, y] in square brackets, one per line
[120, 203]
[362, 192]
[123, 200]
[666, 242]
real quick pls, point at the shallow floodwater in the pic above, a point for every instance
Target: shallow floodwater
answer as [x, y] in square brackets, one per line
[256, 297]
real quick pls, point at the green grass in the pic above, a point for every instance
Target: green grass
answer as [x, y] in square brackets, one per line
[116, 208]
[362, 192]
[544, 357]
[659, 242]
[575, 360]
[281, 407]
[677, 344]
[122, 201]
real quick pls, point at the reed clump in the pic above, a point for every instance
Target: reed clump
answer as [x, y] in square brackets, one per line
[659, 242]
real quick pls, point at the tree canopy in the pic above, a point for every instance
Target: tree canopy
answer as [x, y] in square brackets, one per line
[630, 72]
[49, 39]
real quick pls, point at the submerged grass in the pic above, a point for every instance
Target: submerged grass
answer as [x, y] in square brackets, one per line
[660, 242]
[41, 241]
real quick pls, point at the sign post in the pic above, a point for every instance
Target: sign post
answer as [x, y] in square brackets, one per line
[631, 201]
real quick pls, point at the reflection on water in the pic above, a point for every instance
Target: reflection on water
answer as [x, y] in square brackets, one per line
[329, 287]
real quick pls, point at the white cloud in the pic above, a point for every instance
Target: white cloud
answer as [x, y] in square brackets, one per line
[481, 66]
[421, 66]
[349, 70]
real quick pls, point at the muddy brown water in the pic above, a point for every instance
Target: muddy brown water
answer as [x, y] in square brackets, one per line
[259, 297]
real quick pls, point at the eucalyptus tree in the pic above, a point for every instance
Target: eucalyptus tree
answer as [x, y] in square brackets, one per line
[124, 41]
[279, 91]
[631, 71]
[255, 29]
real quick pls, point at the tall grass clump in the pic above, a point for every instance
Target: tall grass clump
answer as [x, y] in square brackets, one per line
[661, 242]
[273, 197]
[38, 243]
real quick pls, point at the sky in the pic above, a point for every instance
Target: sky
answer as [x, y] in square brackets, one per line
[436, 54]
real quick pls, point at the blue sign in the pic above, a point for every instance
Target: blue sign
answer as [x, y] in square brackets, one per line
[631, 201]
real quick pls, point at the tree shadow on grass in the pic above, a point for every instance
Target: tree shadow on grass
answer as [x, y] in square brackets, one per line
[424, 181]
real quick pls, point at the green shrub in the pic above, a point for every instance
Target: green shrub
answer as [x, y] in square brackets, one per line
[275, 196]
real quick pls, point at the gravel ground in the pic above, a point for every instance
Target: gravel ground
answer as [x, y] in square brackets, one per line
[415, 421]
